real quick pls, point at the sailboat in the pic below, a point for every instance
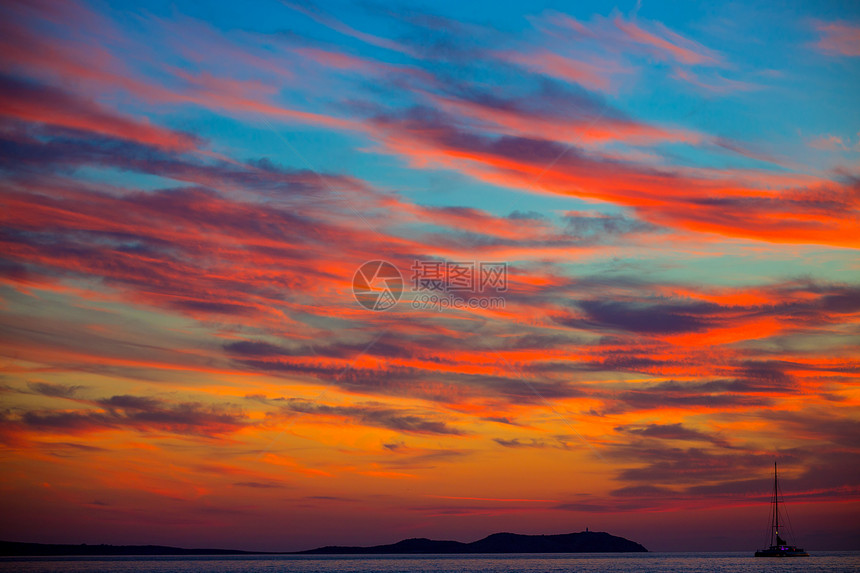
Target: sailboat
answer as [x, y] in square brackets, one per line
[779, 547]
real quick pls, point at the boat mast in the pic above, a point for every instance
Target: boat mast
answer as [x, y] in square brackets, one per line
[775, 539]
[775, 504]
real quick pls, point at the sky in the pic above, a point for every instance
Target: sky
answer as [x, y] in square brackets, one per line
[618, 278]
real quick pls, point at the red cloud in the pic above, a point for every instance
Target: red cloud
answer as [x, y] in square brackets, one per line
[682, 200]
[38, 104]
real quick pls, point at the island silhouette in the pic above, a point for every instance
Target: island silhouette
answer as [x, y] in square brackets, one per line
[582, 542]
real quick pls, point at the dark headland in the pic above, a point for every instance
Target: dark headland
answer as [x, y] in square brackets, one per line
[583, 542]
[16, 548]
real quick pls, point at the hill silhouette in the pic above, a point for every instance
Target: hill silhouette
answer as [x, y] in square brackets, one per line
[582, 542]
[17, 548]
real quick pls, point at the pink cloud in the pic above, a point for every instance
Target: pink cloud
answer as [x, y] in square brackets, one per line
[838, 38]
[595, 75]
[343, 28]
[828, 143]
[715, 84]
[668, 44]
[608, 48]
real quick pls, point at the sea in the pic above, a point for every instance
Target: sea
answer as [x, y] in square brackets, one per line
[509, 563]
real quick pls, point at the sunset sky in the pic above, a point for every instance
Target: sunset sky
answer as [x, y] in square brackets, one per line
[188, 189]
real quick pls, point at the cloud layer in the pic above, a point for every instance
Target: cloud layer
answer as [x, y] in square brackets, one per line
[186, 200]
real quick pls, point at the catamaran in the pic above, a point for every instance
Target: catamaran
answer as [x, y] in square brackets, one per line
[779, 547]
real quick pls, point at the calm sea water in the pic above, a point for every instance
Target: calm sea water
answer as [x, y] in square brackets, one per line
[517, 563]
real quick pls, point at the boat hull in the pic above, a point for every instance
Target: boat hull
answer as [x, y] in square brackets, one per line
[782, 552]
